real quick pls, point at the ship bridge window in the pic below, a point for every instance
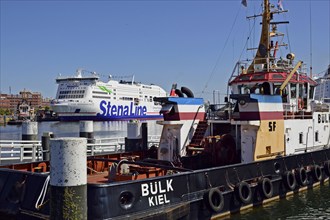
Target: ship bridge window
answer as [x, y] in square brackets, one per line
[257, 77]
[293, 90]
[244, 78]
[265, 88]
[277, 76]
[276, 88]
[311, 92]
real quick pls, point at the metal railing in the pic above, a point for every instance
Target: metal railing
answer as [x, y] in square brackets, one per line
[12, 151]
[19, 151]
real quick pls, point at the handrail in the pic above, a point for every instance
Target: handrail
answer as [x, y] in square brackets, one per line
[31, 150]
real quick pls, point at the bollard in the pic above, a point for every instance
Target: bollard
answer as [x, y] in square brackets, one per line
[30, 130]
[68, 178]
[29, 133]
[45, 140]
[86, 130]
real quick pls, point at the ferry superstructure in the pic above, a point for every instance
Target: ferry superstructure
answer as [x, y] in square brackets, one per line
[322, 91]
[88, 98]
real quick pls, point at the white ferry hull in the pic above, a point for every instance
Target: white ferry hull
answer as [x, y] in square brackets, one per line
[106, 111]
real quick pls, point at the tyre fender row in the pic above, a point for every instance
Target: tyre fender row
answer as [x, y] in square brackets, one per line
[300, 175]
[214, 198]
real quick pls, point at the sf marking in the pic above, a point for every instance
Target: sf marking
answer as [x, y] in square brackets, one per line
[271, 126]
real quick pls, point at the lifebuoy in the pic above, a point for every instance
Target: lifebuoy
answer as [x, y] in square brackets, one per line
[243, 192]
[316, 173]
[326, 167]
[301, 176]
[266, 187]
[289, 180]
[214, 199]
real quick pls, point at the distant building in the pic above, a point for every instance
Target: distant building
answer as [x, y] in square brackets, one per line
[11, 101]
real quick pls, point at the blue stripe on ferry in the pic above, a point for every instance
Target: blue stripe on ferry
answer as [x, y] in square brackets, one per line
[186, 101]
[267, 98]
[112, 118]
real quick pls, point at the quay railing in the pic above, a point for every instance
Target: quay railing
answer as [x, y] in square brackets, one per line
[15, 151]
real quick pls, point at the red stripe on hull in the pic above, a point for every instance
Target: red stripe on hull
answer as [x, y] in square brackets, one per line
[260, 116]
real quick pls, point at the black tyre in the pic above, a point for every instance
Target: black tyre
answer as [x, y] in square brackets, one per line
[289, 180]
[266, 188]
[243, 192]
[214, 199]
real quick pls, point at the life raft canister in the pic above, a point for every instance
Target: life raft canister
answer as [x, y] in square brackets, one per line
[243, 192]
[214, 200]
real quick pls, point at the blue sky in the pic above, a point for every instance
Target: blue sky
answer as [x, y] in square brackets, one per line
[193, 43]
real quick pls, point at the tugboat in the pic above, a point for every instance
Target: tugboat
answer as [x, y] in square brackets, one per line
[24, 112]
[269, 141]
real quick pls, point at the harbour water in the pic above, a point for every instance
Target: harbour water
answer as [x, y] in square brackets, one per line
[310, 204]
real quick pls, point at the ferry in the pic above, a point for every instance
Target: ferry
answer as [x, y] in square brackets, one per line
[88, 98]
[322, 91]
[270, 140]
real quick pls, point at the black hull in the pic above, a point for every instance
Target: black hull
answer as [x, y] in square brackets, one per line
[183, 195]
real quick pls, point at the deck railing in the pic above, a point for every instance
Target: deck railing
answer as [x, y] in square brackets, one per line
[13, 151]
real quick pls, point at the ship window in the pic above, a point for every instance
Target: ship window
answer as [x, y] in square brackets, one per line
[258, 77]
[293, 90]
[301, 136]
[317, 136]
[244, 89]
[277, 88]
[311, 92]
[277, 76]
[244, 77]
[101, 97]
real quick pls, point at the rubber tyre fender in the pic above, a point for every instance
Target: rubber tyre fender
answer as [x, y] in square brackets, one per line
[266, 187]
[301, 176]
[326, 167]
[243, 192]
[187, 91]
[289, 180]
[179, 93]
[316, 173]
[214, 199]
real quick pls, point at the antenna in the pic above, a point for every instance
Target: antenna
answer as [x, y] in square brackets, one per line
[310, 38]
